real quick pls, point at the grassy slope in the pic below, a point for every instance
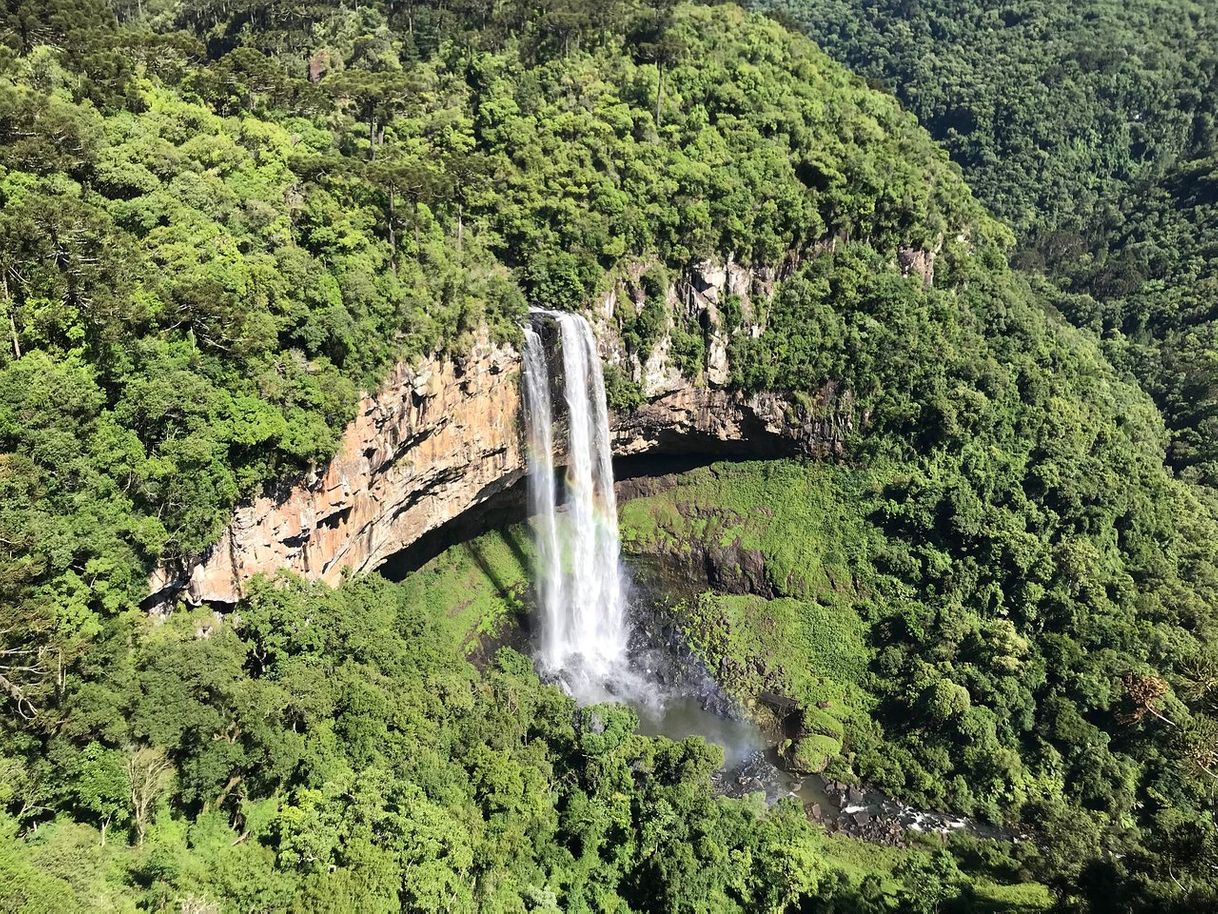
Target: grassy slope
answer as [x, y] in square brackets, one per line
[810, 642]
[476, 585]
[761, 504]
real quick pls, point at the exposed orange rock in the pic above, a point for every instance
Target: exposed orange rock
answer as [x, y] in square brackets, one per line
[434, 441]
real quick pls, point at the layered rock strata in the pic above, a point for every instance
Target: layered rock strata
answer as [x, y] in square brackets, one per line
[434, 441]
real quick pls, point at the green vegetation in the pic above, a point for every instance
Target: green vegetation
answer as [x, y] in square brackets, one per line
[1034, 697]
[340, 753]
[219, 221]
[1054, 110]
[1092, 128]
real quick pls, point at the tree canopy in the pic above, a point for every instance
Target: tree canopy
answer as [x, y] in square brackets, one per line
[220, 221]
[1090, 128]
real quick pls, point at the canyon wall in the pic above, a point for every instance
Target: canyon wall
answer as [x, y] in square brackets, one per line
[444, 436]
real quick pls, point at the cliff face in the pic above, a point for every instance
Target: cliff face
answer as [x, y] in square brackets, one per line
[442, 437]
[432, 442]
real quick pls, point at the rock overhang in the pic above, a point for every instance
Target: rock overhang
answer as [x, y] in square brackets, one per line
[443, 437]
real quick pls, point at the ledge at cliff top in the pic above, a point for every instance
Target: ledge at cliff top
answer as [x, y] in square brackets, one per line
[442, 437]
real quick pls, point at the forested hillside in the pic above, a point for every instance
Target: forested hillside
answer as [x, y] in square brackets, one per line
[203, 262]
[220, 221]
[1092, 128]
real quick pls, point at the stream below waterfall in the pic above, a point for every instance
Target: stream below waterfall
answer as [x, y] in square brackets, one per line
[684, 700]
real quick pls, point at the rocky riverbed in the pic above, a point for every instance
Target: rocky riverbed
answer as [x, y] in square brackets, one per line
[682, 699]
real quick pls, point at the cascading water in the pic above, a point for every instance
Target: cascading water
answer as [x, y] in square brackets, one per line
[539, 424]
[579, 580]
[584, 633]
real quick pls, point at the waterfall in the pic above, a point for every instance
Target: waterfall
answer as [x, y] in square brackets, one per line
[539, 426]
[579, 580]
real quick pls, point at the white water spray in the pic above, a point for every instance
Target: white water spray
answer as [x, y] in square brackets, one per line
[579, 581]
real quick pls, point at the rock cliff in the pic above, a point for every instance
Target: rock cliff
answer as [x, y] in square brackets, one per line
[443, 437]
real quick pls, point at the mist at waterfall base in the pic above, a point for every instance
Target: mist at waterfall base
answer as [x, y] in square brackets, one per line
[586, 640]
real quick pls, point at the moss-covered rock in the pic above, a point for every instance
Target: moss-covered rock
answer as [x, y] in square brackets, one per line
[811, 754]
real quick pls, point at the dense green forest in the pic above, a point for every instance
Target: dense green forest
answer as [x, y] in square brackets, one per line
[220, 221]
[1092, 128]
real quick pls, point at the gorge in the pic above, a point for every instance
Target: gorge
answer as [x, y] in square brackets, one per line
[442, 438]
[308, 584]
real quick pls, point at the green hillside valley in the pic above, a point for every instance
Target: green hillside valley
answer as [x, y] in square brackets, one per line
[621, 457]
